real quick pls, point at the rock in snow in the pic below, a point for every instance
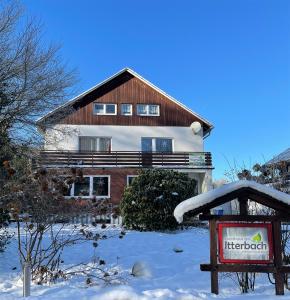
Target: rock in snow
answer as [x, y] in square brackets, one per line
[140, 269]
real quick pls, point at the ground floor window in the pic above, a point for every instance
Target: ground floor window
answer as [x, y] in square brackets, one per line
[91, 186]
[130, 179]
[101, 186]
[81, 187]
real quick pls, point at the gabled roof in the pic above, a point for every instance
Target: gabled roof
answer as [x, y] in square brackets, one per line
[284, 156]
[133, 73]
[209, 199]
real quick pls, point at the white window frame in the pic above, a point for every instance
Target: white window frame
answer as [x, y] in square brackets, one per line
[105, 109]
[72, 191]
[130, 176]
[154, 141]
[148, 110]
[131, 109]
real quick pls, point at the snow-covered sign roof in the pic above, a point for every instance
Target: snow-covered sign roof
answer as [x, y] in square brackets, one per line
[284, 156]
[208, 199]
[133, 73]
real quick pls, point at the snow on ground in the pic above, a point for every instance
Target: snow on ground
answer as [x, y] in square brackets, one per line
[172, 275]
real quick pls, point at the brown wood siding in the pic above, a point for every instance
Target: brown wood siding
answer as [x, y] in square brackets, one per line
[129, 90]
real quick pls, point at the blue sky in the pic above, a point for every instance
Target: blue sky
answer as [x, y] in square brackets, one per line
[227, 60]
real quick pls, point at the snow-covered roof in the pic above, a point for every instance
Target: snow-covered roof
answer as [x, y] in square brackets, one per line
[284, 156]
[75, 99]
[208, 197]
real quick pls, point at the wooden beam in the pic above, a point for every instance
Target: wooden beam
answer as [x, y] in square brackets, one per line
[248, 218]
[244, 268]
[269, 201]
[279, 276]
[243, 203]
[213, 257]
[250, 194]
[220, 200]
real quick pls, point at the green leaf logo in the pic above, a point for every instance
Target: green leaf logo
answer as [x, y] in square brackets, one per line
[257, 238]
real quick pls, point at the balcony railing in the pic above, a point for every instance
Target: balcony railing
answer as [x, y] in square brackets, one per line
[124, 158]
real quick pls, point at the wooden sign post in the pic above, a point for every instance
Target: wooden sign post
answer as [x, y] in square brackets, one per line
[244, 242]
[274, 265]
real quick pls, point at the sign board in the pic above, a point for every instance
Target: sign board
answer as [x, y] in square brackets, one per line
[248, 243]
[196, 159]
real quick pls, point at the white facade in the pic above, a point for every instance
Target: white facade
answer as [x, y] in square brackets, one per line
[128, 138]
[124, 138]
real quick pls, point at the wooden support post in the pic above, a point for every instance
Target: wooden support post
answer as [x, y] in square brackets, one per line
[279, 276]
[213, 257]
[243, 203]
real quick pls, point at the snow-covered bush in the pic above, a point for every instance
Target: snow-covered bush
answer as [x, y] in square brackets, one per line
[148, 203]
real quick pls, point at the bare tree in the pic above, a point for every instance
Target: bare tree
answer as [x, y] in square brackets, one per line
[37, 203]
[33, 78]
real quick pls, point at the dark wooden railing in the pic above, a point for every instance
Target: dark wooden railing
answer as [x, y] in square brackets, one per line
[124, 158]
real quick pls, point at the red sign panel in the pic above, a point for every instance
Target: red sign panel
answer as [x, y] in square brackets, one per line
[245, 243]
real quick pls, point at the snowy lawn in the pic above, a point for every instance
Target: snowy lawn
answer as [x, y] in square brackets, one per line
[172, 275]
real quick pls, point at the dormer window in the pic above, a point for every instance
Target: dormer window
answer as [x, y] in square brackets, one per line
[148, 110]
[126, 109]
[105, 109]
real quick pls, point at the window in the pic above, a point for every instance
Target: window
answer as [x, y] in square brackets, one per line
[153, 110]
[163, 145]
[82, 187]
[146, 144]
[126, 109]
[156, 144]
[100, 186]
[148, 110]
[90, 186]
[105, 109]
[141, 109]
[130, 179]
[94, 143]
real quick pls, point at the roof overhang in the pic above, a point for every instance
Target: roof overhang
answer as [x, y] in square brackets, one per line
[284, 156]
[257, 192]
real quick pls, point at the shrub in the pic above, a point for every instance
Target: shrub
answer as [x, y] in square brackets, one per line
[5, 236]
[148, 203]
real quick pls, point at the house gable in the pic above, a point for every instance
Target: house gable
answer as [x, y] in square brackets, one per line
[126, 87]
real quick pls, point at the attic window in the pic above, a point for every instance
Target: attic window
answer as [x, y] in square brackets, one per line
[105, 109]
[148, 110]
[126, 109]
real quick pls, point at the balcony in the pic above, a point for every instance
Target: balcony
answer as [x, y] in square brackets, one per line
[138, 159]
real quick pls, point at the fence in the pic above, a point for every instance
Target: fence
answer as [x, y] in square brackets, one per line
[124, 158]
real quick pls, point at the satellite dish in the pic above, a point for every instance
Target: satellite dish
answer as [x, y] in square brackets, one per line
[196, 127]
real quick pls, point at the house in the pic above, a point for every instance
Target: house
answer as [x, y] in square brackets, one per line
[280, 164]
[283, 159]
[120, 126]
